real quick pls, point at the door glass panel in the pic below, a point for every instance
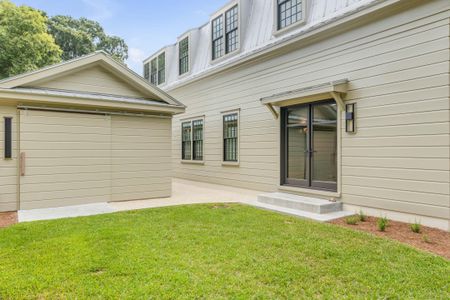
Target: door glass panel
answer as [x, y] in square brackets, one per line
[297, 143]
[324, 143]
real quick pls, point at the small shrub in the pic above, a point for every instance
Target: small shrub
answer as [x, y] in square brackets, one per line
[352, 220]
[362, 216]
[426, 239]
[382, 224]
[416, 227]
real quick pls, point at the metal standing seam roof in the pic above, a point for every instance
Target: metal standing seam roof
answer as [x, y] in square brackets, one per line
[257, 33]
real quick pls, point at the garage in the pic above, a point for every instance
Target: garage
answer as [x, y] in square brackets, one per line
[72, 143]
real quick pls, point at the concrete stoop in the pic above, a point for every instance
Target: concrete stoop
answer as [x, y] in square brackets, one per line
[305, 207]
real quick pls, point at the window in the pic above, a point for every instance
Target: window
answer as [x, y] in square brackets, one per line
[289, 12]
[192, 140]
[162, 68]
[158, 69]
[230, 137]
[8, 137]
[225, 34]
[186, 141]
[154, 71]
[183, 56]
[147, 71]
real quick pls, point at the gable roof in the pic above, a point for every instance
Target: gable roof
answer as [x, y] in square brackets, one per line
[99, 58]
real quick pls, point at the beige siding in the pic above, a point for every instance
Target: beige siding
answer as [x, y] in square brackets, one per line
[398, 69]
[8, 167]
[141, 150]
[93, 80]
[68, 159]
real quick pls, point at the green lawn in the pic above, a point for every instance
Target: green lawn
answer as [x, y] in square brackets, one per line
[210, 251]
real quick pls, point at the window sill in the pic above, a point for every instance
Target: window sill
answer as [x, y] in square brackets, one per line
[230, 163]
[193, 162]
[277, 32]
[309, 191]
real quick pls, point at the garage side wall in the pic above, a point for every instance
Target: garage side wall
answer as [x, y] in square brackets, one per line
[8, 167]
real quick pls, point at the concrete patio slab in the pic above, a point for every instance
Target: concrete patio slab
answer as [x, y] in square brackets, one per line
[64, 212]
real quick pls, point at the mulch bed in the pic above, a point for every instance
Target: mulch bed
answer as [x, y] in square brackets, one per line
[429, 239]
[8, 219]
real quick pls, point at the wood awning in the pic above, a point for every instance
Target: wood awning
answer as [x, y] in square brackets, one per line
[334, 90]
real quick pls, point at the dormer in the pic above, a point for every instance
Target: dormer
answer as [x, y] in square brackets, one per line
[227, 27]
[186, 48]
[156, 67]
[288, 15]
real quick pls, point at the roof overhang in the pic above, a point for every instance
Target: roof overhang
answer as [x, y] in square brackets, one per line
[86, 101]
[334, 90]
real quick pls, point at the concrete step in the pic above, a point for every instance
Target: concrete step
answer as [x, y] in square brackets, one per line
[295, 202]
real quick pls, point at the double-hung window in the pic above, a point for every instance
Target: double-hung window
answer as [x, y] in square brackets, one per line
[192, 140]
[289, 12]
[147, 71]
[158, 69]
[225, 33]
[183, 56]
[230, 137]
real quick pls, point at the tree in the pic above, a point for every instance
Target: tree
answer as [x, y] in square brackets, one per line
[78, 37]
[25, 44]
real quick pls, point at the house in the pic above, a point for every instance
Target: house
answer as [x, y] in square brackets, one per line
[84, 131]
[339, 100]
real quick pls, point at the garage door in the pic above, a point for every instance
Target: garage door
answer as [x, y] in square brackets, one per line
[141, 158]
[68, 159]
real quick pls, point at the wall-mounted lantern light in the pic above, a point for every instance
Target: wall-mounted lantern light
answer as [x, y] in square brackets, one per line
[350, 118]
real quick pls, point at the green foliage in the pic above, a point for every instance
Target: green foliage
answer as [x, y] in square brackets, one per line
[416, 227]
[426, 239]
[382, 224]
[78, 37]
[210, 252]
[352, 220]
[362, 216]
[25, 44]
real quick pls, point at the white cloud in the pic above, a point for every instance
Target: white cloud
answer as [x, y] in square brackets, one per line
[100, 9]
[135, 58]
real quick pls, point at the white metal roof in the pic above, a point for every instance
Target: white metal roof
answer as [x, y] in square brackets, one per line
[256, 33]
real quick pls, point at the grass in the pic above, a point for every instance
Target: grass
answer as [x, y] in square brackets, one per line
[210, 252]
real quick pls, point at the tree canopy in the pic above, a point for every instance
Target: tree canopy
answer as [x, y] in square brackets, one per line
[77, 37]
[29, 40]
[25, 44]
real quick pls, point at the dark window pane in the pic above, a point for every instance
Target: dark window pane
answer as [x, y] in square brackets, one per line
[289, 12]
[154, 71]
[186, 140]
[147, 71]
[198, 139]
[184, 56]
[231, 29]
[8, 137]
[162, 68]
[297, 146]
[230, 137]
[217, 38]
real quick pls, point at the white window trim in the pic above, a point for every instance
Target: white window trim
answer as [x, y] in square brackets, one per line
[221, 13]
[191, 120]
[223, 114]
[149, 61]
[276, 31]
[190, 52]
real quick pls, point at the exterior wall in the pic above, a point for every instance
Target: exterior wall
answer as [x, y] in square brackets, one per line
[74, 159]
[8, 167]
[398, 69]
[92, 80]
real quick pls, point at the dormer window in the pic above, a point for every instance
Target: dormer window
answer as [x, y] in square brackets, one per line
[289, 12]
[183, 56]
[158, 69]
[225, 34]
[147, 71]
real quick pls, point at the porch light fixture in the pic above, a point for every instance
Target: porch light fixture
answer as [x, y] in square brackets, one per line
[350, 118]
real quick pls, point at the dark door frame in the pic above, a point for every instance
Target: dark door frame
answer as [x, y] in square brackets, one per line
[308, 182]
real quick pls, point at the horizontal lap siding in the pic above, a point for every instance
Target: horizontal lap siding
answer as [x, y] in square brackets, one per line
[64, 164]
[141, 158]
[8, 167]
[398, 70]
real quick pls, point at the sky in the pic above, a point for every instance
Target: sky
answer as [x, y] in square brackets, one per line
[145, 25]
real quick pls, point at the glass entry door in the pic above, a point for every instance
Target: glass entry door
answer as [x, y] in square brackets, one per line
[309, 146]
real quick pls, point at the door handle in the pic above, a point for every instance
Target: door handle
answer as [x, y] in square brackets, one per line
[22, 163]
